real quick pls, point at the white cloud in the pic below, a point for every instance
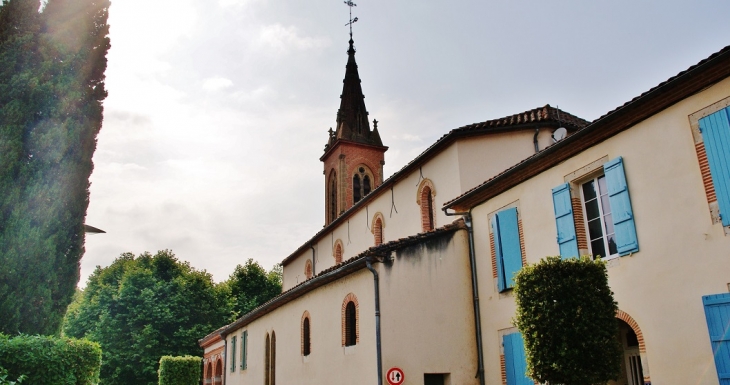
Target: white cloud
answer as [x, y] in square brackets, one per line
[216, 83]
[236, 3]
[282, 39]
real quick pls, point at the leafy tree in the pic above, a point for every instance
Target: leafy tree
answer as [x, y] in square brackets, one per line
[52, 67]
[251, 286]
[567, 316]
[139, 309]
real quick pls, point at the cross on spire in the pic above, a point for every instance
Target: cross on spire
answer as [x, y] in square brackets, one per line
[350, 4]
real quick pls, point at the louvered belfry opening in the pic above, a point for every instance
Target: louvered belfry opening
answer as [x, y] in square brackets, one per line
[350, 324]
[356, 192]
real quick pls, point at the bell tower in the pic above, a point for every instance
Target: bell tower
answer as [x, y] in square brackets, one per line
[354, 154]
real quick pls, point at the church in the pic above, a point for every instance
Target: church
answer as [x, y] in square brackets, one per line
[410, 279]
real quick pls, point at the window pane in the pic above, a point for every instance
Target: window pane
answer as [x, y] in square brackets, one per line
[602, 184]
[589, 191]
[594, 229]
[612, 249]
[608, 220]
[592, 210]
[597, 248]
[605, 205]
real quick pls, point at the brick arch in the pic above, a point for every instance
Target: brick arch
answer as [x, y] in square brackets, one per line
[306, 316]
[425, 199]
[218, 376]
[338, 250]
[208, 375]
[623, 316]
[377, 228]
[308, 268]
[351, 298]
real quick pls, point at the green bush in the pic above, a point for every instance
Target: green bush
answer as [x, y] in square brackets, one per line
[184, 370]
[51, 360]
[567, 316]
[4, 380]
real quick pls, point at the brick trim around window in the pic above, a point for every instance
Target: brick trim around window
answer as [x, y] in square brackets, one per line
[350, 298]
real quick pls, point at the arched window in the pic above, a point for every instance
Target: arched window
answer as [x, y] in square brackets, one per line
[378, 231]
[308, 269]
[218, 379]
[356, 188]
[270, 359]
[350, 321]
[333, 197]
[338, 252]
[361, 184]
[306, 337]
[267, 360]
[209, 374]
[425, 197]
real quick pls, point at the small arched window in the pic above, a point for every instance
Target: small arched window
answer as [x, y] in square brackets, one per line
[218, 379]
[273, 358]
[333, 196]
[267, 360]
[350, 321]
[350, 324]
[425, 197]
[378, 232]
[361, 184]
[338, 253]
[308, 269]
[306, 340]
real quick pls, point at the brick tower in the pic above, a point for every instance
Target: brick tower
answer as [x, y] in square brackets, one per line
[354, 155]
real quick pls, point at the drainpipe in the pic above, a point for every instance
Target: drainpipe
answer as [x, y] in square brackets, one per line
[376, 281]
[474, 292]
[314, 262]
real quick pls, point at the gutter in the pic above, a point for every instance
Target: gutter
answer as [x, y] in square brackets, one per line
[474, 293]
[379, 357]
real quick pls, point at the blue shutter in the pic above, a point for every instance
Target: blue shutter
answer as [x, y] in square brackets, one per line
[623, 215]
[498, 253]
[244, 343]
[715, 130]
[514, 360]
[233, 354]
[509, 243]
[717, 313]
[567, 241]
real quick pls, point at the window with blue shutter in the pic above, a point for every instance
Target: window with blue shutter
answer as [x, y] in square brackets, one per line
[620, 202]
[514, 360]
[567, 240]
[715, 129]
[507, 247]
[717, 313]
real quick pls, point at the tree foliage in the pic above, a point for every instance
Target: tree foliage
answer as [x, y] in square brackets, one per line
[52, 67]
[139, 309]
[251, 286]
[567, 316]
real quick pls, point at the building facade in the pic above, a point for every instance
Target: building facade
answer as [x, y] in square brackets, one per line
[415, 271]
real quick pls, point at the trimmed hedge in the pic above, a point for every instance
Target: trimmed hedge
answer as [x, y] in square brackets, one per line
[51, 360]
[567, 316]
[184, 370]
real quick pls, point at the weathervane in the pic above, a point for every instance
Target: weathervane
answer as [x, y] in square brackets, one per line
[352, 21]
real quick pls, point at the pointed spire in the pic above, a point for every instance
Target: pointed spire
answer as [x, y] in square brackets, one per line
[352, 117]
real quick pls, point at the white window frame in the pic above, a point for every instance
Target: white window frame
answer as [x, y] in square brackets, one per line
[601, 214]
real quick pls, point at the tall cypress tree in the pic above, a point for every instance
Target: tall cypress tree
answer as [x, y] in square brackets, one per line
[51, 90]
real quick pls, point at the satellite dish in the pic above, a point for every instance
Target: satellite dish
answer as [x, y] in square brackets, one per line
[559, 134]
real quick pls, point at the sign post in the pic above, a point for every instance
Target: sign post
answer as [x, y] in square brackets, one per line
[395, 376]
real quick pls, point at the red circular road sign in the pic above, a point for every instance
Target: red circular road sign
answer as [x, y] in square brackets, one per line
[395, 376]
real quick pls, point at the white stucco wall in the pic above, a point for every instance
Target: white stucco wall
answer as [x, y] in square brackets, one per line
[682, 255]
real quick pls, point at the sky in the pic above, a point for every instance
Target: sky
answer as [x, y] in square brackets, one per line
[218, 110]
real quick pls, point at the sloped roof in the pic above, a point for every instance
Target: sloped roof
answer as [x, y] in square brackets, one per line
[694, 79]
[542, 116]
[336, 272]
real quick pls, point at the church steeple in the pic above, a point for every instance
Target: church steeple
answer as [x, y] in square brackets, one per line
[352, 117]
[354, 154]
